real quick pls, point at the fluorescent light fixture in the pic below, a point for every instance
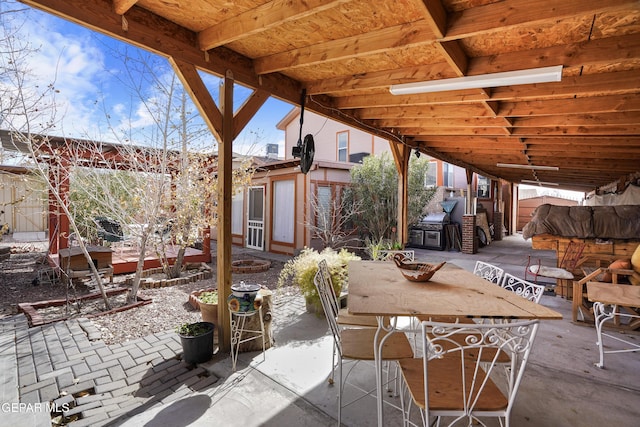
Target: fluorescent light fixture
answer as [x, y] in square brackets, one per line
[533, 167]
[530, 181]
[508, 78]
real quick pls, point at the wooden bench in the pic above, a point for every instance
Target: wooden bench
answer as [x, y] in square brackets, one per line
[580, 291]
[607, 298]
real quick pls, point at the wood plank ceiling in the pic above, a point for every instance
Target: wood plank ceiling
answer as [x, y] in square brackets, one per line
[346, 54]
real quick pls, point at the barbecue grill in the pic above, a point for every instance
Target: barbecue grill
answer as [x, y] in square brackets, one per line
[428, 233]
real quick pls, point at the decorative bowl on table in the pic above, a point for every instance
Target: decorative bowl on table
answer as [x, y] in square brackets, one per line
[416, 271]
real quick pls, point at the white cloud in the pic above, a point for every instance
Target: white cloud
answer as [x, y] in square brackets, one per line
[71, 62]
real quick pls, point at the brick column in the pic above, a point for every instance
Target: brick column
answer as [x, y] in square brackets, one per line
[469, 239]
[498, 218]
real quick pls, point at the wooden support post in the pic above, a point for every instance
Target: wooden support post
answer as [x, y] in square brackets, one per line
[470, 198]
[225, 166]
[401, 155]
[403, 198]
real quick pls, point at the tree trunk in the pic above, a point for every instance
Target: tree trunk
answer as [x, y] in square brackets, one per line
[133, 294]
[176, 268]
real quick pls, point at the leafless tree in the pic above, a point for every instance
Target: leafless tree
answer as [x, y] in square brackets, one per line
[333, 215]
[27, 109]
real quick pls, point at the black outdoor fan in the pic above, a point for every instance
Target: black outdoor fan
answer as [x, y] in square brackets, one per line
[305, 149]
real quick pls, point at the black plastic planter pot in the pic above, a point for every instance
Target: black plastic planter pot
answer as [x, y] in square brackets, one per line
[198, 349]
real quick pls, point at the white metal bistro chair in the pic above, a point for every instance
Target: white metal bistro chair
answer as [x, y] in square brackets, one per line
[453, 383]
[488, 272]
[408, 255]
[354, 343]
[525, 289]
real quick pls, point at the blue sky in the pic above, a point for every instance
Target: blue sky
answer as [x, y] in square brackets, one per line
[85, 67]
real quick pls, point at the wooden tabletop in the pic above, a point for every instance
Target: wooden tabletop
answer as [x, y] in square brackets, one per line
[378, 288]
[608, 293]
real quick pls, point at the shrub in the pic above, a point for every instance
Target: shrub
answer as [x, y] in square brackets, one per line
[302, 269]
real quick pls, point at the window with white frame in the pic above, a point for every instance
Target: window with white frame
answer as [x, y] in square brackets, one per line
[484, 187]
[237, 220]
[323, 214]
[447, 175]
[431, 177]
[343, 146]
[283, 211]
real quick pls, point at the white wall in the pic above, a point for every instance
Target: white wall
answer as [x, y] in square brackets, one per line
[325, 134]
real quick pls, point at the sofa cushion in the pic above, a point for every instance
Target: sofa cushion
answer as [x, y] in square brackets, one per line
[624, 264]
[555, 272]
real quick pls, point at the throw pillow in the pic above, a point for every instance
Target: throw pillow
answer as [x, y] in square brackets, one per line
[635, 263]
[617, 264]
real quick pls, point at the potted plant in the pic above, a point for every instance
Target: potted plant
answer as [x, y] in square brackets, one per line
[302, 269]
[197, 341]
[208, 303]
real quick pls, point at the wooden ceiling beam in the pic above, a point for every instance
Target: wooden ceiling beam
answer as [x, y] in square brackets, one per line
[594, 154]
[470, 131]
[596, 164]
[579, 130]
[578, 120]
[424, 112]
[388, 100]
[262, 18]
[122, 6]
[510, 13]
[629, 130]
[380, 79]
[618, 83]
[413, 33]
[246, 112]
[584, 141]
[456, 57]
[555, 107]
[603, 119]
[442, 122]
[598, 52]
[595, 52]
[200, 95]
[434, 15]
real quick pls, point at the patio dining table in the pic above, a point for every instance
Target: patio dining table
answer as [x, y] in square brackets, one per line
[378, 288]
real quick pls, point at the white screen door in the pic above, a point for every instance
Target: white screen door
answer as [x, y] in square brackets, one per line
[255, 218]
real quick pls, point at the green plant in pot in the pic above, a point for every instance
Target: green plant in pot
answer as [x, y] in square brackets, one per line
[208, 303]
[197, 341]
[302, 269]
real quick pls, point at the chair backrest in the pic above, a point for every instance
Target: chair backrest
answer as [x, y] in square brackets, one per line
[408, 255]
[109, 230]
[324, 286]
[528, 290]
[571, 255]
[461, 359]
[488, 272]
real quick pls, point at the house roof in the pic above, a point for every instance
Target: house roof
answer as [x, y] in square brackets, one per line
[347, 53]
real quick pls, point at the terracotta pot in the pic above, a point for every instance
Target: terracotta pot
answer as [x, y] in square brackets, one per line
[209, 312]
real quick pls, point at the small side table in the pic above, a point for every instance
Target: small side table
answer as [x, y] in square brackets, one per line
[240, 334]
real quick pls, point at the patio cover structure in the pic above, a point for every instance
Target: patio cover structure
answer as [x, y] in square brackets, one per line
[584, 130]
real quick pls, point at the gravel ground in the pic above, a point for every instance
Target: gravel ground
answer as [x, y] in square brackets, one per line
[169, 307]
